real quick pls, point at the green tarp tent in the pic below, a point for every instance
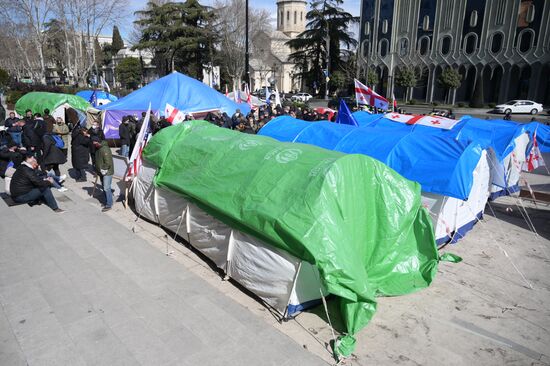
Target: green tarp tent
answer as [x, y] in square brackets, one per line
[358, 221]
[38, 101]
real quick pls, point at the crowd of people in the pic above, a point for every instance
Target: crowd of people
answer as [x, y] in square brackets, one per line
[33, 148]
[256, 119]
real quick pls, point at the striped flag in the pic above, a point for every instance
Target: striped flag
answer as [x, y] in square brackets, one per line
[394, 103]
[141, 141]
[366, 96]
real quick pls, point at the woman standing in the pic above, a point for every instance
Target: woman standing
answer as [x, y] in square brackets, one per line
[60, 128]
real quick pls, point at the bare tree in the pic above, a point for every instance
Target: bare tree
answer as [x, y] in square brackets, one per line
[83, 22]
[29, 15]
[231, 28]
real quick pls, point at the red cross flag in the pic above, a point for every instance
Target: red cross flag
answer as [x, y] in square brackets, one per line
[534, 160]
[173, 115]
[431, 121]
[366, 96]
[438, 122]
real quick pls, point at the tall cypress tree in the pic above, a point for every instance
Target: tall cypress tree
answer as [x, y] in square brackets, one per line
[118, 43]
[326, 19]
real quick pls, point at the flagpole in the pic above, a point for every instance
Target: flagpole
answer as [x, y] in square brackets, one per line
[246, 54]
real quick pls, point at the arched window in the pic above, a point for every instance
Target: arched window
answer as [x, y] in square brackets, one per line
[403, 47]
[525, 40]
[301, 16]
[295, 16]
[424, 46]
[367, 28]
[470, 43]
[384, 47]
[288, 16]
[496, 42]
[282, 18]
[446, 45]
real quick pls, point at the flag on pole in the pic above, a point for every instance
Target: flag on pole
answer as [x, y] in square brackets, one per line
[277, 97]
[267, 95]
[344, 115]
[93, 99]
[534, 160]
[226, 91]
[394, 102]
[141, 141]
[173, 115]
[105, 85]
[248, 96]
[366, 96]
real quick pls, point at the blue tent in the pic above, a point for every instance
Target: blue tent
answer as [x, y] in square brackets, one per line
[186, 94]
[101, 96]
[441, 165]
[499, 135]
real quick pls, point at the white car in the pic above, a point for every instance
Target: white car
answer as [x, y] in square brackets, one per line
[519, 106]
[301, 97]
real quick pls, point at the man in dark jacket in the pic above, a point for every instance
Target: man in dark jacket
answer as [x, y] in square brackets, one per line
[96, 131]
[52, 156]
[124, 135]
[14, 129]
[80, 152]
[49, 121]
[27, 186]
[31, 139]
[105, 168]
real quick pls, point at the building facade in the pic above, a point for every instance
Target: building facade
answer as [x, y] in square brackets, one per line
[502, 44]
[269, 65]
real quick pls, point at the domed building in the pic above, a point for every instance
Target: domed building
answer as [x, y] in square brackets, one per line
[269, 65]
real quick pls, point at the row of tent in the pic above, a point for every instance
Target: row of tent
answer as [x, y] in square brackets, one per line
[174, 92]
[459, 168]
[309, 209]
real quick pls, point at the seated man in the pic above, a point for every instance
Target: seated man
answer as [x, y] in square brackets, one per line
[28, 186]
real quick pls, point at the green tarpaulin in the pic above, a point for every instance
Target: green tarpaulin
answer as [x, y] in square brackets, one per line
[357, 220]
[38, 101]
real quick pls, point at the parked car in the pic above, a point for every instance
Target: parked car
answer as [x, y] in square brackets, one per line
[519, 106]
[301, 97]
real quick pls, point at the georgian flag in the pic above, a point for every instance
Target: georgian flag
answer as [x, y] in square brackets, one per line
[173, 115]
[431, 121]
[534, 160]
[366, 96]
[141, 141]
[248, 96]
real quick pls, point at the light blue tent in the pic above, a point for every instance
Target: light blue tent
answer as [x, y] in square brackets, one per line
[510, 142]
[454, 174]
[102, 96]
[182, 92]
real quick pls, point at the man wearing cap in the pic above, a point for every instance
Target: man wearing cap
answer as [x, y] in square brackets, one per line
[28, 186]
[104, 167]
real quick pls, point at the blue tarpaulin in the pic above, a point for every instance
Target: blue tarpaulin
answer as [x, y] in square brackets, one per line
[100, 95]
[499, 135]
[182, 92]
[441, 165]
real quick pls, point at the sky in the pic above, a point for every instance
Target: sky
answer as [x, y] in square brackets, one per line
[352, 6]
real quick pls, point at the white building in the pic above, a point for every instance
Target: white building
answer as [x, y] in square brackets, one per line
[269, 63]
[149, 71]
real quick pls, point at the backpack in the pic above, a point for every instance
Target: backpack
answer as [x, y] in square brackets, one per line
[58, 141]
